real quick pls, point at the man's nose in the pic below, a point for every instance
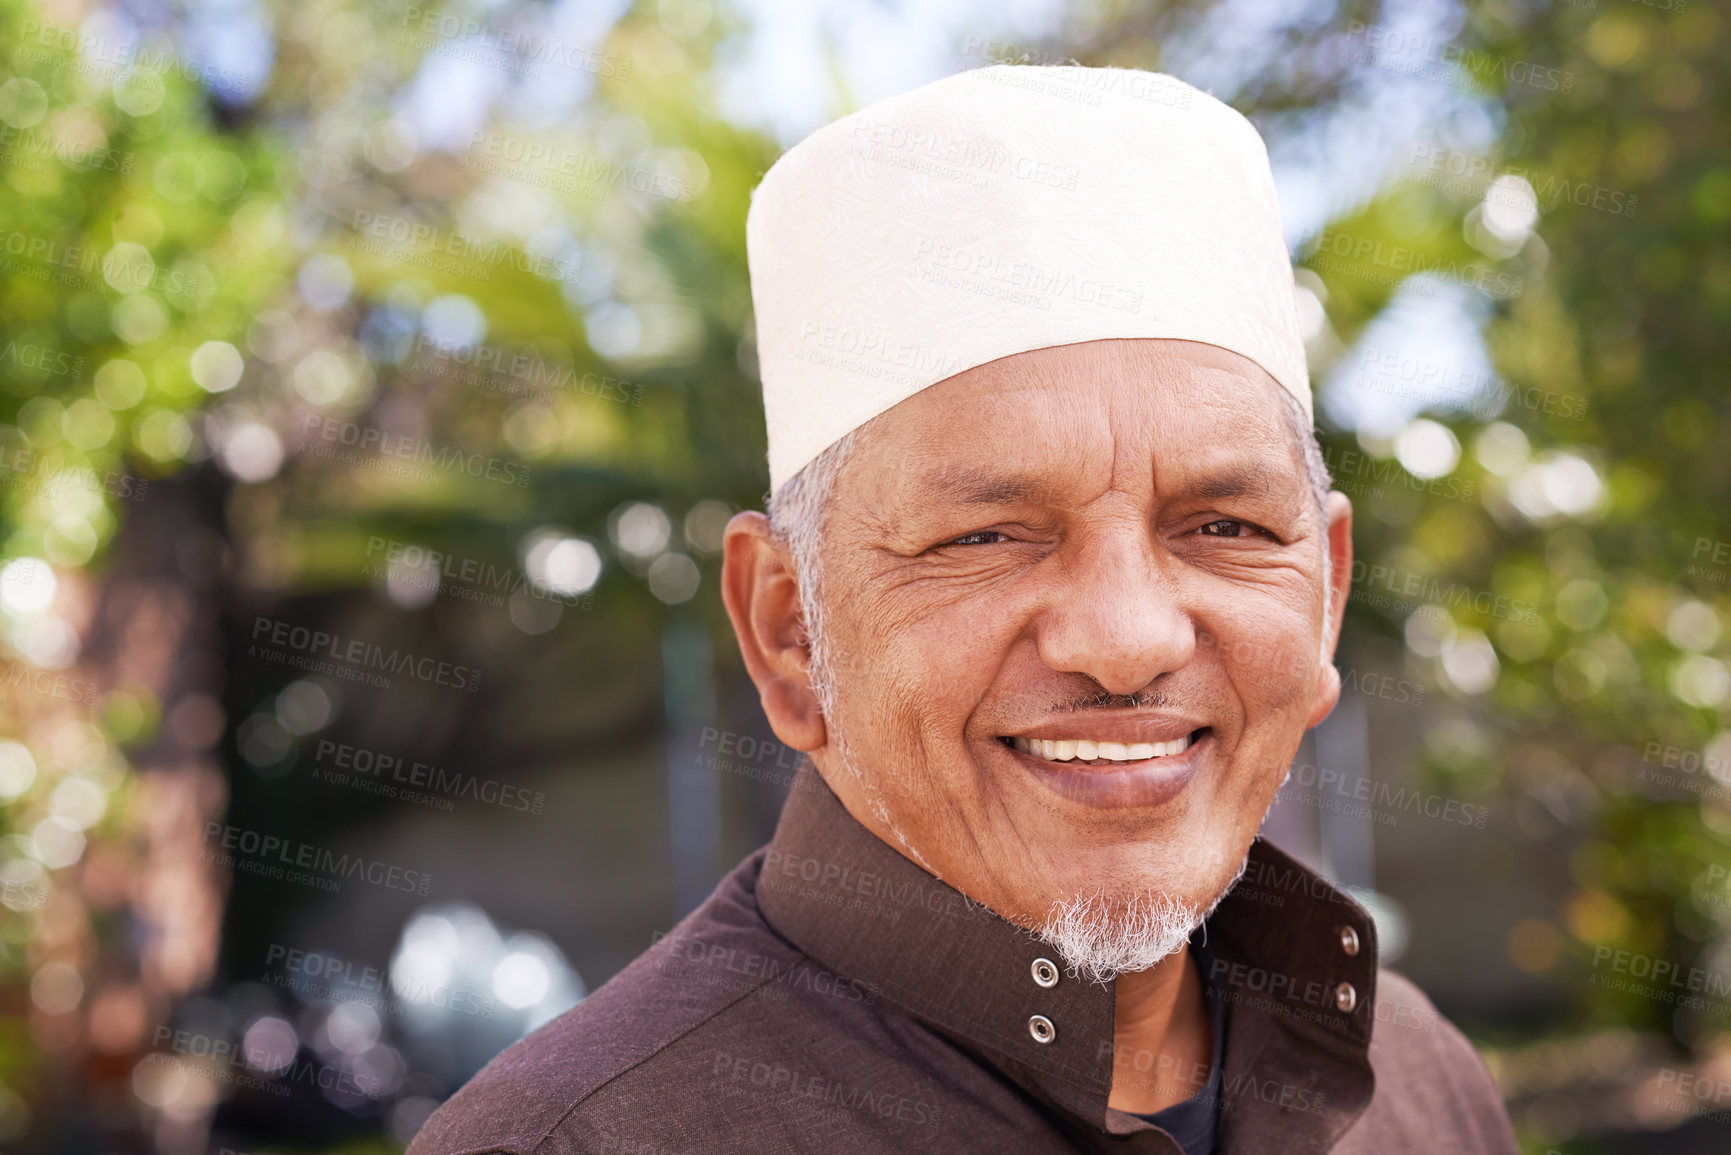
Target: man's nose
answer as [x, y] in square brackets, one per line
[1117, 616]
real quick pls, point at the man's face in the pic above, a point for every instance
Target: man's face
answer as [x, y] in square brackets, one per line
[1114, 544]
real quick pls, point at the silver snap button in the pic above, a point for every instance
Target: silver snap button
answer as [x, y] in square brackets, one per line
[1349, 941]
[1042, 1029]
[1045, 972]
[1345, 997]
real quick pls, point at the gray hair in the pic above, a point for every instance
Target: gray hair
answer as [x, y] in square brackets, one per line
[797, 514]
[798, 511]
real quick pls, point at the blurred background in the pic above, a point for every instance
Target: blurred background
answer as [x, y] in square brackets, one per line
[376, 380]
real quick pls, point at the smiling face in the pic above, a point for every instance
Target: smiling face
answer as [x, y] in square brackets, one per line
[1075, 620]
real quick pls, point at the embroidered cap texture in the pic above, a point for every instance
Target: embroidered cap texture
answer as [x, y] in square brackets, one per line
[1001, 210]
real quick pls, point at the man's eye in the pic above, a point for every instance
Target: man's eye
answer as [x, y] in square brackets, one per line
[979, 537]
[1226, 527]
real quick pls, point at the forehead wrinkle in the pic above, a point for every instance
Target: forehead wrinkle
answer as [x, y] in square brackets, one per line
[1054, 451]
[1241, 466]
[1062, 452]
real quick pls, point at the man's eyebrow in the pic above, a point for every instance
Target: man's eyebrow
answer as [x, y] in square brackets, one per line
[1249, 480]
[983, 487]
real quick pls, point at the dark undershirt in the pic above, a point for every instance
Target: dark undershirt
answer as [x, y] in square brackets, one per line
[1194, 1121]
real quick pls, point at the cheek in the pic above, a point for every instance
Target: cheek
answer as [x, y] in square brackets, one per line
[913, 675]
[1272, 660]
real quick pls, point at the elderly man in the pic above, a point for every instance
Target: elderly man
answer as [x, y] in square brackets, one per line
[1048, 591]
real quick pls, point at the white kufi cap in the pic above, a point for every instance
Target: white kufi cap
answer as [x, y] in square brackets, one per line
[1001, 210]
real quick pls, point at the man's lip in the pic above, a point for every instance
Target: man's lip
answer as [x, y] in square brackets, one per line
[1128, 731]
[1120, 785]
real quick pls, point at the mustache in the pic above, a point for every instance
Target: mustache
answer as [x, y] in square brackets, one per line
[1104, 700]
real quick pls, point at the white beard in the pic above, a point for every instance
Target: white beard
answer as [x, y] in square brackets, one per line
[1099, 936]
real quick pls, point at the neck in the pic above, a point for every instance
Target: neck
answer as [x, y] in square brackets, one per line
[1163, 1045]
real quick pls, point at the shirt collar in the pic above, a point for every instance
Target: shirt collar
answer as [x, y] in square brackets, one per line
[1300, 1005]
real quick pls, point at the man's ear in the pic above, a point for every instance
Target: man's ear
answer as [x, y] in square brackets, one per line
[761, 591]
[1339, 544]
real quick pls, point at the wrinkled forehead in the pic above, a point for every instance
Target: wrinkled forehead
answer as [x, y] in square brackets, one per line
[1061, 425]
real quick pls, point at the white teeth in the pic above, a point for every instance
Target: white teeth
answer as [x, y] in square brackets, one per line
[1082, 750]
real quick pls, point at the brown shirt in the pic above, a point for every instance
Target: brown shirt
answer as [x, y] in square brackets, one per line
[831, 996]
